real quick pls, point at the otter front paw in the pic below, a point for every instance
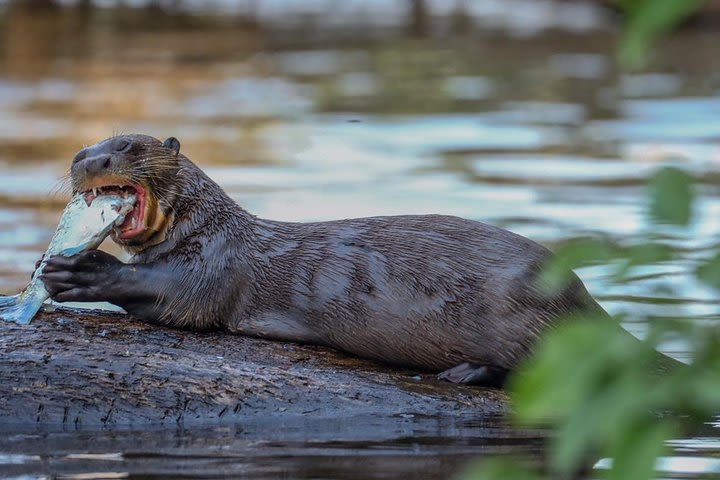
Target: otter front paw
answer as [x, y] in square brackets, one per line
[85, 277]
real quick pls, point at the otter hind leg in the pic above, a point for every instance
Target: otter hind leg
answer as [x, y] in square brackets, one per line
[476, 374]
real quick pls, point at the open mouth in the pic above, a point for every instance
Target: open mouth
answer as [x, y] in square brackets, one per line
[134, 223]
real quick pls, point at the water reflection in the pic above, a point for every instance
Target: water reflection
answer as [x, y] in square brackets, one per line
[353, 448]
[302, 113]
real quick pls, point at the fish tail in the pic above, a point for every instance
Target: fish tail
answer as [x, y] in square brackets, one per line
[7, 300]
[21, 312]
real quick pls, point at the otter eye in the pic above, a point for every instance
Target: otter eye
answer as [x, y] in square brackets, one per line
[122, 145]
[80, 156]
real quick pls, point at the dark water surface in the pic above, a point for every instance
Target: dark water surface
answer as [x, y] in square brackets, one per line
[305, 111]
[355, 448]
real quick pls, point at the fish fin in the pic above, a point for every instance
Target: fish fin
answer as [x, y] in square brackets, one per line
[7, 300]
[19, 312]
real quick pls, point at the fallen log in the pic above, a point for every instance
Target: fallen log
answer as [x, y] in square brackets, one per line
[81, 368]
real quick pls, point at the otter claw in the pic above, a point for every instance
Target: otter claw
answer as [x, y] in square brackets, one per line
[475, 374]
[37, 265]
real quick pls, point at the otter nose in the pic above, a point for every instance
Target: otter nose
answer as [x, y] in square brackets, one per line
[95, 164]
[98, 158]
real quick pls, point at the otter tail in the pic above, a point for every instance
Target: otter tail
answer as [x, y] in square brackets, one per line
[663, 364]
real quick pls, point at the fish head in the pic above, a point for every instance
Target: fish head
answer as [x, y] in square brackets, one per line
[137, 165]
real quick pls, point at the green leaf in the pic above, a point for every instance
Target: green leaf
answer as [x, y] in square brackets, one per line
[645, 21]
[635, 454]
[698, 387]
[540, 389]
[557, 274]
[709, 272]
[645, 254]
[671, 196]
[500, 469]
[590, 379]
[649, 253]
[568, 367]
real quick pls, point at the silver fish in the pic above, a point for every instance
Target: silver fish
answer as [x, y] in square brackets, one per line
[81, 227]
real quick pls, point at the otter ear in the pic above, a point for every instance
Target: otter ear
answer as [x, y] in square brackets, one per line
[173, 144]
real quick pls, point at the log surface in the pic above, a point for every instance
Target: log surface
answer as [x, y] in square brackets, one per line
[81, 368]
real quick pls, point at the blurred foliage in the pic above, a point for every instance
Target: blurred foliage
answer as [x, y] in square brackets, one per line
[671, 197]
[605, 393]
[646, 21]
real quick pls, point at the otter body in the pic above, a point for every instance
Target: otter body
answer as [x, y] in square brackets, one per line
[428, 291]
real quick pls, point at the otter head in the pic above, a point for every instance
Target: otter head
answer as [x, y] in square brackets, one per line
[137, 165]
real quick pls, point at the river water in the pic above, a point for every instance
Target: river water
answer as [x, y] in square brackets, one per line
[310, 111]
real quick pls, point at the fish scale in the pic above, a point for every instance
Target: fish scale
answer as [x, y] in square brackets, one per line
[81, 227]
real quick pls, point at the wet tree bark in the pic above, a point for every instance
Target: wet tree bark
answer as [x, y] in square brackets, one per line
[89, 368]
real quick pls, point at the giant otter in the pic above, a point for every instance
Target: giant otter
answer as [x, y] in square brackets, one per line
[426, 291]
